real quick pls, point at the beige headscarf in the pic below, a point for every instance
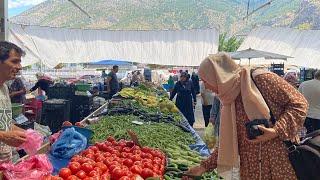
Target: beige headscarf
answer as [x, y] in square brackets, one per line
[221, 71]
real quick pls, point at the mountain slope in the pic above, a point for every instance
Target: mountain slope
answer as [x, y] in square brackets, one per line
[173, 14]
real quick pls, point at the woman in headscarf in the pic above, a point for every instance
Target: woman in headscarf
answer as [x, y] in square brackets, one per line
[291, 78]
[265, 157]
[186, 98]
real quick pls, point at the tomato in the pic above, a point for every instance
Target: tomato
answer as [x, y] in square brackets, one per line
[86, 167]
[65, 173]
[106, 154]
[122, 144]
[116, 152]
[82, 160]
[136, 169]
[138, 163]
[108, 161]
[124, 155]
[118, 148]
[105, 176]
[56, 178]
[102, 166]
[88, 178]
[79, 124]
[138, 152]
[128, 162]
[135, 148]
[100, 159]
[81, 174]
[93, 173]
[94, 148]
[66, 123]
[88, 151]
[111, 139]
[117, 173]
[147, 165]
[157, 161]
[114, 143]
[75, 158]
[126, 149]
[98, 170]
[99, 145]
[108, 143]
[90, 156]
[146, 161]
[72, 177]
[146, 172]
[125, 178]
[74, 167]
[146, 149]
[114, 166]
[149, 156]
[136, 158]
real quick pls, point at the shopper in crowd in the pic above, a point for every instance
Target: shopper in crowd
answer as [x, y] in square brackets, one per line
[186, 97]
[215, 115]
[10, 135]
[264, 157]
[188, 74]
[206, 100]
[17, 90]
[170, 84]
[311, 91]
[43, 84]
[292, 78]
[112, 81]
[103, 74]
[195, 82]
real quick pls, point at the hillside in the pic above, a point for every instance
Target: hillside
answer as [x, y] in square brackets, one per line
[227, 15]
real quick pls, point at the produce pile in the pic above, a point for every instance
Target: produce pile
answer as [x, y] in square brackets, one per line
[115, 160]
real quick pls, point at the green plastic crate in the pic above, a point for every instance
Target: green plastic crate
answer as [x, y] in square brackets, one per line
[16, 109]
[83, 87]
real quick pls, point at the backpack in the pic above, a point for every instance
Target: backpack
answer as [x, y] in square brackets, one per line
[305, 156]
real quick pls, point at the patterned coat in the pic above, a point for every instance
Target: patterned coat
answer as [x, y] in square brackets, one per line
[289, 108]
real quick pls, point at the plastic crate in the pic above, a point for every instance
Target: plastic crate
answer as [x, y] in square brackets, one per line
[81, 107]
[17, 109]
[61, 91]
[83, 87]
[54, 113]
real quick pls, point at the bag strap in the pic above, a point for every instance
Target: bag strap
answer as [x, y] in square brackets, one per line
[272, 119]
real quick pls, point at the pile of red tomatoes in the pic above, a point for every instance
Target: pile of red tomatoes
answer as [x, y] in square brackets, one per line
[115, 160]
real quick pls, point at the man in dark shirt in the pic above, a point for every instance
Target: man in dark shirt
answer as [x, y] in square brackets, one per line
[17, 91]
[43, 83]
[112, 82]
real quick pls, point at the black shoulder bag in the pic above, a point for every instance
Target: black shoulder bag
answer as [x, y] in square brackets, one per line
[305, 156]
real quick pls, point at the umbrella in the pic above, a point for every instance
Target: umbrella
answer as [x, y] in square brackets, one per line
[253, 53]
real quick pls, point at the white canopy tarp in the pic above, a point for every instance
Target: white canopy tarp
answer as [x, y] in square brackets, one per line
[302, 45]
[60, 45]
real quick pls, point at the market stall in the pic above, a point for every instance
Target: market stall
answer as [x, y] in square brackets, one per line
[138, 134]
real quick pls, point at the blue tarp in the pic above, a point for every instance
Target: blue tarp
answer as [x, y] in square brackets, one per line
[112, 62]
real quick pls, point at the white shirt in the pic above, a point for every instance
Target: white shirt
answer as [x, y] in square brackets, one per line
[206, 94]
[311, 91]
[5, 121]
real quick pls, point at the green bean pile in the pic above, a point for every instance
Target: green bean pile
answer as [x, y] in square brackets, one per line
[156, 135]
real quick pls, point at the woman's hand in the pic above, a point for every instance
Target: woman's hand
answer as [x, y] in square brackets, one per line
[195, 171]
[268, 134]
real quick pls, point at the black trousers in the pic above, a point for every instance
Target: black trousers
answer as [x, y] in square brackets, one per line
[312, 124]
[206, 113]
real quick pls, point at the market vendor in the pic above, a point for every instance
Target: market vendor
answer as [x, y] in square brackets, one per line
[10, 135]
[243, 100]
[112, 81]
[42, 84]
[186, 98]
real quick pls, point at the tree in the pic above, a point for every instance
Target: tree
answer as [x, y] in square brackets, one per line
[230, 44]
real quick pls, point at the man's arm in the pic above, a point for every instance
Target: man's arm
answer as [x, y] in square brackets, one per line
[107, 81]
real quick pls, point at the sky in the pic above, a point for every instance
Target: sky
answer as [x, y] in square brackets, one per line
[18, 6]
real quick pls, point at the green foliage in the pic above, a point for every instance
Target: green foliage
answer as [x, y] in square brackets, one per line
[229, 44]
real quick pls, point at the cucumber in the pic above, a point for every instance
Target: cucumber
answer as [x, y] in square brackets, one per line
[175, 169]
